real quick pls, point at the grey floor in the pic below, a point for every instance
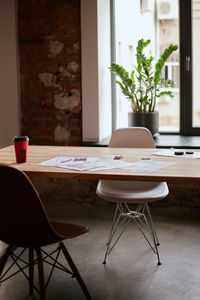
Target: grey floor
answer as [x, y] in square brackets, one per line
[131, 272]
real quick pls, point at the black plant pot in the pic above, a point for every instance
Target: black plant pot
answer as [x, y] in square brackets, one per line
[149, 120]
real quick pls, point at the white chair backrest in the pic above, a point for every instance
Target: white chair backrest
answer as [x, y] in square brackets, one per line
[132, 137]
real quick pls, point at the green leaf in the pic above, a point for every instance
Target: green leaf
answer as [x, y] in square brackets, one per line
[159, 65]
[168, 93]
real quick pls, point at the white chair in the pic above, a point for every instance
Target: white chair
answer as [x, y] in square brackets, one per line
[137, 192]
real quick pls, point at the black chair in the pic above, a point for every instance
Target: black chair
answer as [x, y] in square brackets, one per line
[25, 224]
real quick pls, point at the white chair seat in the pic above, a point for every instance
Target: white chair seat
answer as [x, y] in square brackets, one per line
[131, 191]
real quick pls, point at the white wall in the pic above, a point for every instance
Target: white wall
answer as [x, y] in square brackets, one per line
[9, 104]
[96, 79]
[104, 62]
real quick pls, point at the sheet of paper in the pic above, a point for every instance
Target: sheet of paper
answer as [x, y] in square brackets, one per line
[55, 160]
[100, 163]
[149, 165]
[171, 152]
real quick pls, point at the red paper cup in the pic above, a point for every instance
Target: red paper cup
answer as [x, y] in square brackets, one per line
[21, 148]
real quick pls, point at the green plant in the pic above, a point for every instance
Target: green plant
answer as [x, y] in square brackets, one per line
[144, 85]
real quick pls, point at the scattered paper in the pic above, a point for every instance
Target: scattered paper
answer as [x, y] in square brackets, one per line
[171, 152]
[97, 163]
[149, 165]
[100, 163]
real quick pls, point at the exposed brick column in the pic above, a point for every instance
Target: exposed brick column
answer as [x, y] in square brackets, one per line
[50, 72]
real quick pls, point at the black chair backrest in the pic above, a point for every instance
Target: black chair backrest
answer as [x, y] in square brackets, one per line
[23, 220]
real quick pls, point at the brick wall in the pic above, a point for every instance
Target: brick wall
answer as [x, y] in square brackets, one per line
[50, 72]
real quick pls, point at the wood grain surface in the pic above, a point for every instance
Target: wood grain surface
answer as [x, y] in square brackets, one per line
[184, 170]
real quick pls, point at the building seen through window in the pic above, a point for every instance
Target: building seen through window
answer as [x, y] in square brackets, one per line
[158, 21]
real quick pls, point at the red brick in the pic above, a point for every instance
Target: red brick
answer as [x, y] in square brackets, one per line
[40, 22]
[74, 123]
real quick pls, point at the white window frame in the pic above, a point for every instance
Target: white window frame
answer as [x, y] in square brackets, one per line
[96, 78]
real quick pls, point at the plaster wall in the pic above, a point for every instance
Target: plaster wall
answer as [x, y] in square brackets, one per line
[9, 103]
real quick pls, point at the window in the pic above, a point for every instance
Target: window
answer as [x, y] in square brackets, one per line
[165, 21]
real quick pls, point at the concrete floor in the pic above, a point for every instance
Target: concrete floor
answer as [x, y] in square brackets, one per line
[131, 272]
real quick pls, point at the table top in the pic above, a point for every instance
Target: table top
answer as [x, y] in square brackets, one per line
[184, 170]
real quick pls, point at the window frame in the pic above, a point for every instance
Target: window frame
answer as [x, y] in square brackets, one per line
[96, 78]
[186, 69]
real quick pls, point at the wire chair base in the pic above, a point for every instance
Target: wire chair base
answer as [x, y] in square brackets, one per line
[142, 217]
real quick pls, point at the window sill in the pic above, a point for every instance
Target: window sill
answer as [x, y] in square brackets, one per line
[163, 141]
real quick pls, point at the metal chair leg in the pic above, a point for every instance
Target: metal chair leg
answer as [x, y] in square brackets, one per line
[146, 227]
[154, 235]
[113, 223]
[119, 224]
[152, 223]
[75, 271]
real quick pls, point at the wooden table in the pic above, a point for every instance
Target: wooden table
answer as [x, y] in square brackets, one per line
[185, 170]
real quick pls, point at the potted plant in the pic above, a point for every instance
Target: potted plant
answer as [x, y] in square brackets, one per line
[144, 86]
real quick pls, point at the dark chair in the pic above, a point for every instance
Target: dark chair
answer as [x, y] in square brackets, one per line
[25, 224]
